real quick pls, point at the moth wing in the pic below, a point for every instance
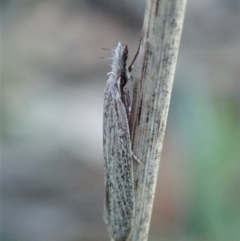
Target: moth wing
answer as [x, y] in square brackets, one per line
[126, 101]
[119, 199]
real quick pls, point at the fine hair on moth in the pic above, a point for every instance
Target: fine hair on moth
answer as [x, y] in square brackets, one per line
[117, 148]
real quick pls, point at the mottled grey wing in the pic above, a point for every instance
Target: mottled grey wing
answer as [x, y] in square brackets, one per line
[126, 101]
[119, 200]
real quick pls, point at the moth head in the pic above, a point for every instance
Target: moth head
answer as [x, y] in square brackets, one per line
[120, 65]
[124, 56]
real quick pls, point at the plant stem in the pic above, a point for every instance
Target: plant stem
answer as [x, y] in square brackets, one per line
[153, 76]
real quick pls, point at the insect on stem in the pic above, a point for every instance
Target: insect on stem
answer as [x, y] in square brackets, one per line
[118, 154]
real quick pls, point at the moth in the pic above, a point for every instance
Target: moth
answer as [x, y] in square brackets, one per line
[118, 155]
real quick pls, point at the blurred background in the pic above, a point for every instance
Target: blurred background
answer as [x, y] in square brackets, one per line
[52, 82]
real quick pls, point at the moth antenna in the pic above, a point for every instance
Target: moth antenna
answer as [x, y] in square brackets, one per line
[106, 57]
[112, 50]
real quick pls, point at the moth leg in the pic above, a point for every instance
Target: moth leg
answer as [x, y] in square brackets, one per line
[135, 158]
[130, 68]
